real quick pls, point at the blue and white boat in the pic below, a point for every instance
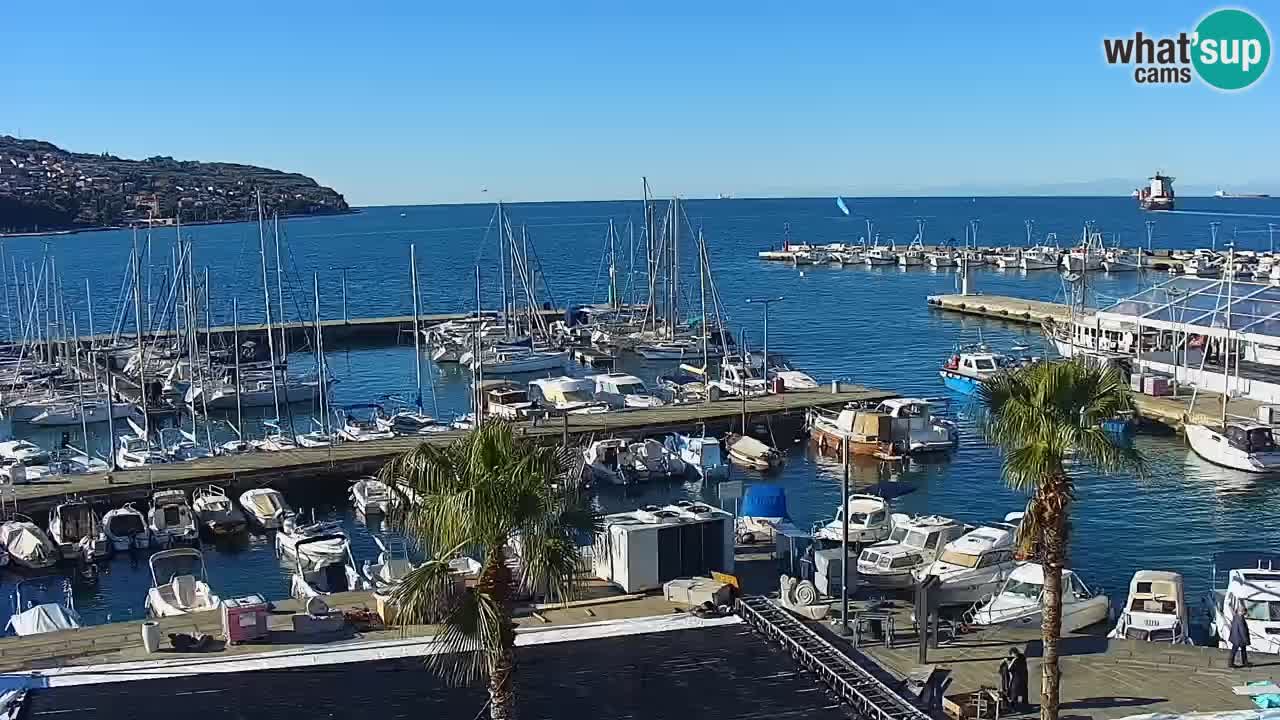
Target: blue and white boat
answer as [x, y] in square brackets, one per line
[965, 370]
[701, 454]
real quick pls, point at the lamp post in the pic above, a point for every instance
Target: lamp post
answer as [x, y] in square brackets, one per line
[766, 302]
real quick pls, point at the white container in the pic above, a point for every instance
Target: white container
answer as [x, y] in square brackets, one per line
[151, 636]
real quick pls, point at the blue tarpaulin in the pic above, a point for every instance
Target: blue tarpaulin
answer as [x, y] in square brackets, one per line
[765, 501]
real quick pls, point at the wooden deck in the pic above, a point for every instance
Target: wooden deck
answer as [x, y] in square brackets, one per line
[349, 460]
[1000, 307]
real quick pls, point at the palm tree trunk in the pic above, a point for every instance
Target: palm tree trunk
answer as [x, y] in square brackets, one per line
[496, 580]
[1053, 509]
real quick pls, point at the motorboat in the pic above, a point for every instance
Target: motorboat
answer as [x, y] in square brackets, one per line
[1040, 257]
[1020, 599]
[976, 564]
[941, 259]
[965, 371]
[78, 463]
[1156, 609]
[126, 528]
[566, 395]
[266, 507]
[316, 439]
[780, 368]
[358, 428]
[371, 496]
[294, 529]
[1202, 266]
[674, 350]
[43, 604]
[236, 446]
[170, 519]
[184, 447]
[275, 440]
[389, 570]
[1245, 446]
[749, 452]
[701, 454]
[764, 510]
[869, 519]
[326, 571]
[919, 431]
[1251, 578]
[913, 256]
[75, 528]
[133, 452]
[620, 390]
[913, 543]
[515, 361]
[407, 421]
[24, 451]
[652, 459]
[1120, 260]
[880, 255]
[216, 512]
[1009, 260]
[609, 461]
[27, 545]
[179, 584]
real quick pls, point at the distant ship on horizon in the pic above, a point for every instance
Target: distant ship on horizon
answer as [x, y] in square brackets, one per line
[1224, 194]
[1158, 195]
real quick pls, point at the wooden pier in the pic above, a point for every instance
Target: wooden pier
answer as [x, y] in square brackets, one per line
[349, 460]
[1002, 307]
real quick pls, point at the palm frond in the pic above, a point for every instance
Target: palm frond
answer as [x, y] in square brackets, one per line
[470, 639]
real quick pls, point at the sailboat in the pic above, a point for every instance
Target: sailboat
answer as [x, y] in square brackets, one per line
[413, 421]
[321, 436]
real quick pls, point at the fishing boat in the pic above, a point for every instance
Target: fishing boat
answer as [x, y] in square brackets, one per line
[1020, 601]
[868, 520]
[701, 454]
[1120, 260]
[880, 255]
[27, 545]
[941, 258]
[1009, 259]
[749, 452]
[913, 256]
[965, 371]
[1241, 445]
[371, 496]
[1156, 609]
[24, 451]
[216, 512]
[170, 519]
[179, 584]
[43, 604]
[913, 543]
[265, 507]
[1251, 579]
[1087, 256]
[75, 528]
[362, 428]
[322, 565]
[974, 565]
[126, 528]
[895, 426]
[1040, 257]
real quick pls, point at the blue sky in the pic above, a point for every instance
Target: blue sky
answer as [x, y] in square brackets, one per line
[412, 102]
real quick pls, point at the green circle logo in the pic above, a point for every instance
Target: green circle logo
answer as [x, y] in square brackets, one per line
[1232, 49]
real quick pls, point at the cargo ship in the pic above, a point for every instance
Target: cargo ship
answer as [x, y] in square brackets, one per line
[1158, 195]
[1224, 194]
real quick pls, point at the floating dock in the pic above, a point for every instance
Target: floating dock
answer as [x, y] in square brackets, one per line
[1002, 307]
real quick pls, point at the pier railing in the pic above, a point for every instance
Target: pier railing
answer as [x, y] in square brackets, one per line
[854, 684]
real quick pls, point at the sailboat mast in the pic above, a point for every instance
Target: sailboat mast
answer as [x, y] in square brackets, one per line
[142, 348]
[88, 295]
[284, 344]
[675, 264]
[84, 420]
[613, 270]
[417, 341]
[235, 355]
[502, 284]
[266, 304]
[321, 368]
[1226, 361]
[702, 283]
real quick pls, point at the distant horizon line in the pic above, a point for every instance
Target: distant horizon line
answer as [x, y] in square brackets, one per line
[731, 198]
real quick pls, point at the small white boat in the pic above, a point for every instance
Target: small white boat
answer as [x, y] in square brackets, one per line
[371, 496]
[216, 511]
[176, 588]
[1041, 257]
[265, 507]
[75, 528]
[171, 520]
[43, 604]
[1245, 446]
[1253, 579]
[764, 510]
[868, 521]
[27, 545]
[749, 452]
[365, 428]
[1020, 601]
[25, 452]
[976, 564]
[516, 361]
[1009, 260]
[941, 259]
[1120, 260]
[675, 350]
[324, 571]
[880, 255]
[294, 530]
[1156, 609]
[275, 440]
[913, 543]
[701, 454]
[566, 394]
[922, 432]
[621, 390]
[913, 256]
[316, 439]
[652, 459]
[388, 570]
[137, 452]
[609, 461]
[410, 422]
[126, 528]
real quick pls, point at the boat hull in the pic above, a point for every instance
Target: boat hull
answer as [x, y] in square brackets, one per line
[1212, 446]
[958, 383]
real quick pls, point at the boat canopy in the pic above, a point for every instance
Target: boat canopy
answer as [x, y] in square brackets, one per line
[766, 501]
[168, 564]
[44, 618]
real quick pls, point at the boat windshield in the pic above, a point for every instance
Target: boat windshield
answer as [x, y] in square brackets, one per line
[921, 540]
[1264, 610]
[1030, 591]
[984, 364]
[861, 519]
[898, 535]
[1162, 607]
[632, 389]
[955, 557]
[576, 396]
[123, 524]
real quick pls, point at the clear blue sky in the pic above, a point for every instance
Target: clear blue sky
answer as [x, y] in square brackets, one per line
[401, 101]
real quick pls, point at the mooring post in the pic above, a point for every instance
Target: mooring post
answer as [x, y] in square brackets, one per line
[844, 540]
[564, 432]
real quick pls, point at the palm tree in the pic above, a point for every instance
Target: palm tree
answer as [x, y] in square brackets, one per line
[1040, 417]
[480, 494]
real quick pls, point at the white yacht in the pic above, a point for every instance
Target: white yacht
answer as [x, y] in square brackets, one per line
[358, 428]
[170, 519]
[749, 452]
[216, 512]
[974, 565]
[75, 528]
[868, 521]
[28, 546]
[1040, 257]
[137, 452]
[385, 573]
[371, 496]
[326, 571]
[1254, 580]
[514, 361]
[621, 390]
[293, 530]
[266, 507]
[1156, 609]
[407, 421]
[913, 543]
[24, 451]
[126, 528]
[566, 395]
[176, 588]
[43, 604]
[1020, 601]
[1245, 446]
[920, 431]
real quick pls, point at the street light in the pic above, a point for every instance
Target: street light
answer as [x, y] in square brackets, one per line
[766, 302]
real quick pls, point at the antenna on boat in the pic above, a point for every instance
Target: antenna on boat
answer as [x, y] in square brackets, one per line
[1031, 224]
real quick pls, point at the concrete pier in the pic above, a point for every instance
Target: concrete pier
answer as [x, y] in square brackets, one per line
[1001, 307]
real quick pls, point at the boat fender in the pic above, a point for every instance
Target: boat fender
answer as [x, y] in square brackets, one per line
[747, 538]
[961, 305]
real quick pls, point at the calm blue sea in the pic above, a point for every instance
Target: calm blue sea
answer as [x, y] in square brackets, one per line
[868, 325]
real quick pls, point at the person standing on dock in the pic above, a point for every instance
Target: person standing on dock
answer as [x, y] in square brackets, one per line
[1238, 636]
